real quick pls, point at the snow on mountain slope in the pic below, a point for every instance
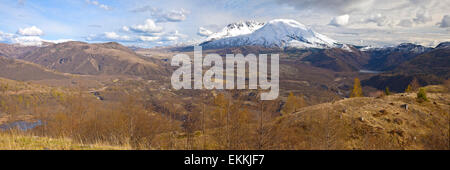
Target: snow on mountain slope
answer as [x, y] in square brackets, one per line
[236, 29]
[276, 33]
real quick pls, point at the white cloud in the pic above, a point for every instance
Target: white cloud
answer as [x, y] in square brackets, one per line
[28, 40]
[332, 6]
[164, 16]
[98, 4]
[422, 18]
[146, 8]
[125, 28]
[173, 16]
[445, 23]
[170, 38]
[115, 36]
[378, 19]
[340, 20]
[173, 36]
[109, 36]
[204, 32]
[177, 34]
[148, 27]
[30, 31]
[148, 38]
[5, 36]
[59, 41]
[405, 23]
[105, 7]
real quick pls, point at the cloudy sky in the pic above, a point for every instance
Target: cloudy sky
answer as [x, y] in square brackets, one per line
[149, 23]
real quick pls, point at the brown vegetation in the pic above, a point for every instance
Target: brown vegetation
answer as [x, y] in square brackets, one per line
[229, 122]
[357, 89]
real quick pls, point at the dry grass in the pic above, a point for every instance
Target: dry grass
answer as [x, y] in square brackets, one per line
[368, 123]
[17, 141]
[378, 123]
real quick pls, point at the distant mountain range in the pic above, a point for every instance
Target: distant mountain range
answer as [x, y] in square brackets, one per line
[295, 43]
[88, 59]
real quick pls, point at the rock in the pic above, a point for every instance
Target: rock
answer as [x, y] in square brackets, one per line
[361, 119]
[100, 98]
[398, 121]
[404, 106]
[381, 113]
[398, 132]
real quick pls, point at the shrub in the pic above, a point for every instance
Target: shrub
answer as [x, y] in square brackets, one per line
[421, 95]
[408, 89]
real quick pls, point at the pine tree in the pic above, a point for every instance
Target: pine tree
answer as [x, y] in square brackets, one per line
[357, 89]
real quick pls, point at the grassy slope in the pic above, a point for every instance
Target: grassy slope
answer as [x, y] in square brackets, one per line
[363, 121]
[14, 141]
[384, 119]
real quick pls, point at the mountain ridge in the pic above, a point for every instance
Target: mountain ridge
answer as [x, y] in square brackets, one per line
[94, 59]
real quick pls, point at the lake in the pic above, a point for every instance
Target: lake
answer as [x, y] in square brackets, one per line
[21, 125]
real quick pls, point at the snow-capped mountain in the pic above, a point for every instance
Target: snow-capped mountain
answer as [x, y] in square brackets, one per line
[275, 33]
[236, 29]
[403, 48]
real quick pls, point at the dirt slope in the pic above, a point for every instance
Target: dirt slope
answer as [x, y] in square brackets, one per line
[94, 59]
[375, 123]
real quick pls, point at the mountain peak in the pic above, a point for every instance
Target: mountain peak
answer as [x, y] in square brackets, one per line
[236, 29]
[275, 33]
[242, 24]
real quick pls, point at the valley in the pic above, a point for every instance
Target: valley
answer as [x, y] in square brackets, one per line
[108, 93]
